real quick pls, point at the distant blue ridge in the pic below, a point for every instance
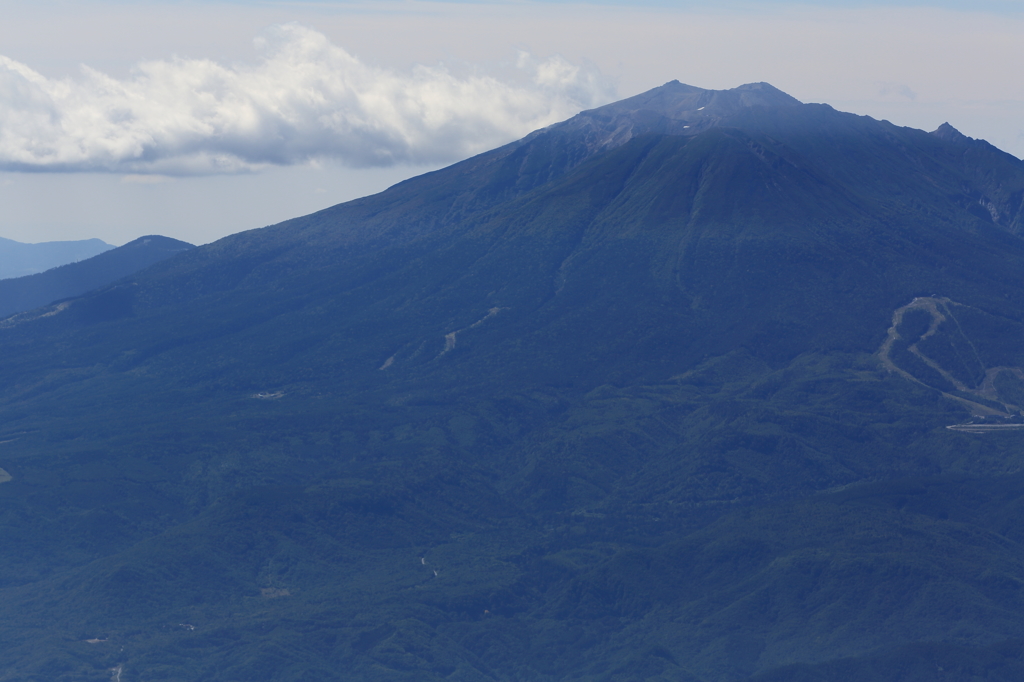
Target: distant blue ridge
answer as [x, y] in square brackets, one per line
[18, 259]
[20, 294]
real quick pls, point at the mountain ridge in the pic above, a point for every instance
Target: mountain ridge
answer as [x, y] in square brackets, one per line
[70, 280]
[18, 259]
[506, 173]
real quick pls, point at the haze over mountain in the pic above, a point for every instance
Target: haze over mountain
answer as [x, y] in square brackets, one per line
[18, 259]
[658, 392]
[74, 279]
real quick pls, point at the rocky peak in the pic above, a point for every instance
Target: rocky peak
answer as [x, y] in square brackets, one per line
[950, 134]
[673, 108]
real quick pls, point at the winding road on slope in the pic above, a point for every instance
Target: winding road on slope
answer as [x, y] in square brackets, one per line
[938, 308]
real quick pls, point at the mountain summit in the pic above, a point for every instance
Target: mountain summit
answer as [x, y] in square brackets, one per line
[673, 109]
[701, 385]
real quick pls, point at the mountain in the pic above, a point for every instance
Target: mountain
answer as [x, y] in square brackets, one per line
[21, 294]
[18, 259]
[663, 391]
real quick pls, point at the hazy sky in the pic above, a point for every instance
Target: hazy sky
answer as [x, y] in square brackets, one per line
[200, 119]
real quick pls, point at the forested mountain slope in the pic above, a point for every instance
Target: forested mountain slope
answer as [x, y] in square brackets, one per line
[20, 294]
[618, 401]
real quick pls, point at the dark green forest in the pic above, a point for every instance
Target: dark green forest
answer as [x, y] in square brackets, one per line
[671, 407]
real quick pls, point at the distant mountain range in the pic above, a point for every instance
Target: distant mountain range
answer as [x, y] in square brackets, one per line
[74, 279]
[700, 385]
[18, 259]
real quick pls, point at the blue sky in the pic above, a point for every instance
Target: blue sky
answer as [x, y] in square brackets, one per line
[198, 119]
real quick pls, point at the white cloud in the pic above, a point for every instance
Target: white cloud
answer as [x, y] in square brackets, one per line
[896, 89]
[305, 100]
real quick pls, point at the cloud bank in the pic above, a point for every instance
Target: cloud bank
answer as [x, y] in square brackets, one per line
[304, 100]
